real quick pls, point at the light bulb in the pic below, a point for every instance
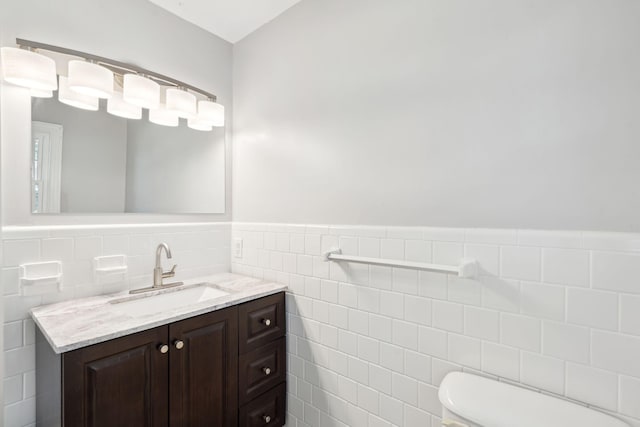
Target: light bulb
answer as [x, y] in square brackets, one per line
[164, 117]
[141, 91]
[75, 99]
[90, 79]
[181, 103]
[35, 93]
[211, 112]
[196, 124]
[28, 69]
[119, 107]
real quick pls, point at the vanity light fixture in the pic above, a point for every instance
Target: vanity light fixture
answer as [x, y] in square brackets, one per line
[93, 77]
[197, 124]
[181, 103]
[141, 91]
[164, 117]
[117, 106]
[75, 99]
[26, 68]
[35, 93]
[89, 78]
[211, 112]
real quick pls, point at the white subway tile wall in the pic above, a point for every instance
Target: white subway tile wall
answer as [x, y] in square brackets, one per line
[555, 311]
[199, 249]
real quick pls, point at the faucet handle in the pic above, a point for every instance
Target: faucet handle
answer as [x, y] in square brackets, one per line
[170, 273]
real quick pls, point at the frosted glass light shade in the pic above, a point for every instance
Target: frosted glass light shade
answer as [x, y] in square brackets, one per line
[28, 69]
[181, 103]
[141, 91]
[41, 93]
[119, 107]
[211, 112]
[90, 79]
[75, 99]
[164, 117]
[196, 124]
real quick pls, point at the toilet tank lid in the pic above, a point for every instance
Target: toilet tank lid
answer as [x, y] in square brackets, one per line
[495, 404]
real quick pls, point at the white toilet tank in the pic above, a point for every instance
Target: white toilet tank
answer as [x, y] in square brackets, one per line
[474, 401]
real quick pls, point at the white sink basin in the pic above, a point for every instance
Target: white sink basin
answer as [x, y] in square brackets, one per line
[142, 305]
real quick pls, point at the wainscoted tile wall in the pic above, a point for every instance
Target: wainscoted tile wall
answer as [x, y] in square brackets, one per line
[198, 249]
[368, 346]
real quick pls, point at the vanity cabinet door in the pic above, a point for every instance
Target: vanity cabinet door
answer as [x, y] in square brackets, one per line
[122, 382]
[203, 375]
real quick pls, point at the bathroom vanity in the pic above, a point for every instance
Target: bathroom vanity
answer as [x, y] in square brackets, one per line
[217, 362]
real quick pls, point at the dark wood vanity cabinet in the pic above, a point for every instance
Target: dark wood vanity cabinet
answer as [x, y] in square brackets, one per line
[182, 374]
[191, 373]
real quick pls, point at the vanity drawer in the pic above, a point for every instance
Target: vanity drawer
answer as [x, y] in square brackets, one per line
[261, 321]
[267, 410]
[261, 370]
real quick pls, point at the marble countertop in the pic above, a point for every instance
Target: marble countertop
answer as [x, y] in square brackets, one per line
[81, 322]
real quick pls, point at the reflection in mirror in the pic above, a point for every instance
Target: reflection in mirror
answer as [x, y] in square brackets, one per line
[46, 167]
[93, 162]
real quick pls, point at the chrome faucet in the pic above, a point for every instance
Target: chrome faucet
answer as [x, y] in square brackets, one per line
[158, 274]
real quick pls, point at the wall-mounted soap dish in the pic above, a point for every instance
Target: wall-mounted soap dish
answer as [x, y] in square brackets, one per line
[110, 269]
[40, 278]
[111, 264]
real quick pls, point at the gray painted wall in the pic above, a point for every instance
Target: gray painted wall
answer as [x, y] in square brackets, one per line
[134, 31]
[497, 113]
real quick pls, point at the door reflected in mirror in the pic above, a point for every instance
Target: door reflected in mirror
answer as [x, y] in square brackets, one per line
[46, 166]
[93, 162]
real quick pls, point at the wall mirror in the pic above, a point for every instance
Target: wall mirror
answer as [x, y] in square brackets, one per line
[93, 162]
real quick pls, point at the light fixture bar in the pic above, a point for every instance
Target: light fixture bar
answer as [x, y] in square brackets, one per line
[116, 66]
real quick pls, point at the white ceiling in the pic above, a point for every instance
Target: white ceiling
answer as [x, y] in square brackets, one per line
[229, 19]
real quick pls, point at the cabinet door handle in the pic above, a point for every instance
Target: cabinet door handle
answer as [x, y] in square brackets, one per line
[266, 370]
[267, 322]
[163, 348]
[266, 418]
[178, 344]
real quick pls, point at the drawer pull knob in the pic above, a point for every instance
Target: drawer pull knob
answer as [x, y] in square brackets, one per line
[267, 322]
[266, 370]
[163, 348]
[178, 344]
[267, 419]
